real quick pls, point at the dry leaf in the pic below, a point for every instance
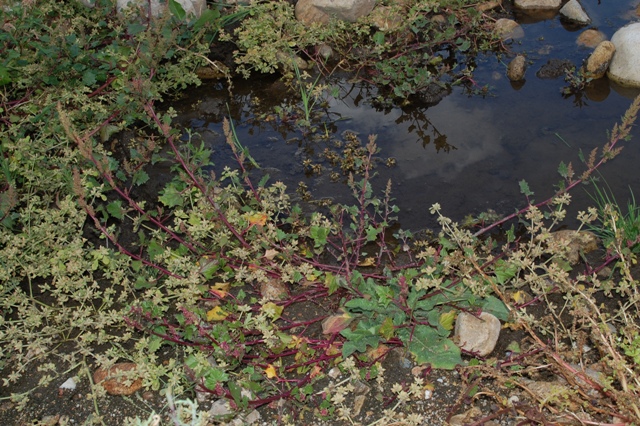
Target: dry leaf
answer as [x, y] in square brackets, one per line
[257, 219]
[270, 371]
[369, 261]
[271, 253]
[217, 314]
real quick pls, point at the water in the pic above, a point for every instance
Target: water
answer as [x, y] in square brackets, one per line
[468, 152]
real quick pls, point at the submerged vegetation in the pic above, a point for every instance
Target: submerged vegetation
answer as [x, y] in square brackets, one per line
[201, 281]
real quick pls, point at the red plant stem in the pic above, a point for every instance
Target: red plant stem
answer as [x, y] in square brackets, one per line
[166, 133]
[618, 134]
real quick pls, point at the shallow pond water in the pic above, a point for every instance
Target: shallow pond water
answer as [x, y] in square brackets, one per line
[468, 152]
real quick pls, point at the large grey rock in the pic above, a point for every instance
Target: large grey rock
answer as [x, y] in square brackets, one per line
[192, 8]
[346, 10]
[598, 62]
[538, 4]
[574, 12]
[478, 335]
[625, 66]
[307, 13]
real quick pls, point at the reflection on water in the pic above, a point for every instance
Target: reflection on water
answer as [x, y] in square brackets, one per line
[467, 152]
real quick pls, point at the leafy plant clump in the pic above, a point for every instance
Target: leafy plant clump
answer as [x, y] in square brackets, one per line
[213, 268]
[416, 48]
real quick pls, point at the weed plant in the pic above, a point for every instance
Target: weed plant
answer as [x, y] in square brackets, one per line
[213, 266]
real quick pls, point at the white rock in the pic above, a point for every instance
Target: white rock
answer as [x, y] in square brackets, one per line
[70, 384]
[478, 335]
[538, 4]
[220, 408]
[193, 8]
[625, 66]
[346, 10]
[573, 11]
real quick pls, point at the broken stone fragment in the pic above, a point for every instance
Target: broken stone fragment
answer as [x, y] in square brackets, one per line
[575, 242]
[477, 335]
[120, 379]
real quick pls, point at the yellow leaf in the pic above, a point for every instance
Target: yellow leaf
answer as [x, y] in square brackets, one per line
[446, 319]
[216, 314]
[518, 297]
[270, 371]
[369, 261]
[220, 289]
[257, 219]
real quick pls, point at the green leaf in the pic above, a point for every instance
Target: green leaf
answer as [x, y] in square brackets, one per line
[171, 197]
[88, 78]
[430, 348]
[236, 394]
[115, 209]
[524, 188]
[177, 10]
[563, 170]
[140, 177]
[372, 233]
[361, 305]
[154, 249]
[357, 340]
[208, 16]
[378, 38]
[387, 329]
[213, 377]
[495, 306]
[319, 235]
[505, 271]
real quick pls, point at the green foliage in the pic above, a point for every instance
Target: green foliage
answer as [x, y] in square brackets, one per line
[614, 225]
[415, 52]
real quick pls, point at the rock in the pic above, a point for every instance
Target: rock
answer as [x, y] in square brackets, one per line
[220, 408]
[554, 68]
[324, 50]
[193, 8]
[358, 402]
[478, 335]
[516, 68]
[575, 243]
[306, 12]
[118, 380]
[538, 4]
[274, 289]
[345, 10]
[598, 63]
[546, 391]
[386, 18]
[574, 12]
[490, 5]
[287, 61]
[625, 66]
[469, 416]
[508, 28]
[214, 71]
[591, 38]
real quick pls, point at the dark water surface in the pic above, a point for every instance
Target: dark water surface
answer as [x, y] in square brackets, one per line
[468, 152]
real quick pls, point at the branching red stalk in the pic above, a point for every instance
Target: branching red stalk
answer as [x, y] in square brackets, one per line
[620, 132]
